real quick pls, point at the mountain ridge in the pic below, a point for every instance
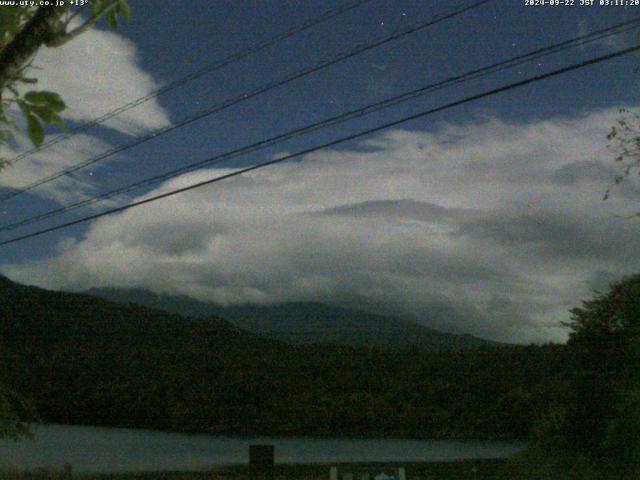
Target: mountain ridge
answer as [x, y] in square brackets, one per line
[88, 361]
[301, 323]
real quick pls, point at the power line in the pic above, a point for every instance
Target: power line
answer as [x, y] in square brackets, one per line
[354, 136]
[217, 65]
[243, 97]
[395, 100]
[246, 96]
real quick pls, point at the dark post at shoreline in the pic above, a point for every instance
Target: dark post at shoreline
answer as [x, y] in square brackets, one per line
[261, 461]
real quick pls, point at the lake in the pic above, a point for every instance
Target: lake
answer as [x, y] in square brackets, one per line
[111, 450]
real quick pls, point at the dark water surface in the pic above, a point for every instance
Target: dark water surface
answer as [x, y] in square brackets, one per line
[110, 450]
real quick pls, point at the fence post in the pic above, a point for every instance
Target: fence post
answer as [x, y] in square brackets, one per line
[333, 473]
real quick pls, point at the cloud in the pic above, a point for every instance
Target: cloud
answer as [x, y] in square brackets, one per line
[401, 209]
[614, 42]
[96, 73]
[490, 228]
[50, 161]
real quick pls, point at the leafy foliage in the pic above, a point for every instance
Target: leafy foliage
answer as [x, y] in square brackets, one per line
[12, 20]
[594, 426]
[20, 39]
[40, 108]
[121, 7]
[607, 317]
[624, 143]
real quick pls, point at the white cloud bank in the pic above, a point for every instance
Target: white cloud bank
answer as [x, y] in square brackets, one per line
[50, 161]
[95, 73]
[489, 228]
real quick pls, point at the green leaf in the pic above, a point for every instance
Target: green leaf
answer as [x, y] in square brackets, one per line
[96, 7]
[112, 19]
[57, 121]
[26, 109]
[35, 130]
[50, 99]
[48, 116]
[43, 112]
[124, 9]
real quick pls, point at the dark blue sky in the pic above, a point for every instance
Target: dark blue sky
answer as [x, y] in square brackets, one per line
[176, 38]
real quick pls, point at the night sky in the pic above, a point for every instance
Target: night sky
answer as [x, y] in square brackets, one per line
[486, 218]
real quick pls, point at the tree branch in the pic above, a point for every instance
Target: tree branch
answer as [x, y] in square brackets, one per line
[59, 40]
[36, 32]
[72, 16]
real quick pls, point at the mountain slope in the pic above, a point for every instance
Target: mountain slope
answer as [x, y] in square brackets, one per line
[88, 360]
[307, 323]
[85, 360]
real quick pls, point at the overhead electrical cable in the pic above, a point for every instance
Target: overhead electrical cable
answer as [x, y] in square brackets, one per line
[211, 67]
[472, 98]
[392, 101]
[246, 96]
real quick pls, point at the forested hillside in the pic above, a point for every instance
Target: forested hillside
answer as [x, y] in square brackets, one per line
[300, 323]
[84, 360]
